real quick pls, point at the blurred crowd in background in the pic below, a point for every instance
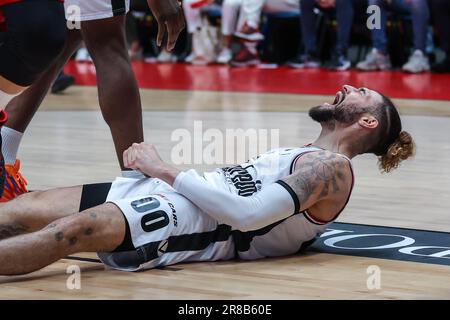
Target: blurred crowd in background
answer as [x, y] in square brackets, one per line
[408, 35]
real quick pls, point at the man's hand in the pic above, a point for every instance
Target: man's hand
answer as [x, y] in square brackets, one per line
[144, 158]
[170, 18]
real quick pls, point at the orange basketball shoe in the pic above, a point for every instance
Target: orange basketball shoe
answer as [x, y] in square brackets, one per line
[15, 184]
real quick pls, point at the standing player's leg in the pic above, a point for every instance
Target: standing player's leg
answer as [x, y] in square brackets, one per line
[35, 35]
[21, 111]
[117, 88]
[118, 92]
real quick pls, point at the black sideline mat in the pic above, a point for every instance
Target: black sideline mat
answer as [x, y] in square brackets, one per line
[385, 243]
[378, 242]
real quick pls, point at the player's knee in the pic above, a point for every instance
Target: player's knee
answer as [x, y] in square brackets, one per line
[98, 229]
[21, 207]
[107, 55]
[28, 201]
[105, 35]
[71, 232]
[27, 210]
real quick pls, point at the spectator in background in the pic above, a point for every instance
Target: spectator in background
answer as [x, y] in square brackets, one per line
[135, 50]
[344, 16]
[441, 13]
[248, 26]
[82, 54]
[250, 17]
[378, 58]
[230, 12]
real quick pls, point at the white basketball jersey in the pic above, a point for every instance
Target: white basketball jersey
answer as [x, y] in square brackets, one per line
[182, 232]
[281, 238]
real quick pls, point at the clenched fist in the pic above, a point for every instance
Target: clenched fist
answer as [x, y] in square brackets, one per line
[144, 157]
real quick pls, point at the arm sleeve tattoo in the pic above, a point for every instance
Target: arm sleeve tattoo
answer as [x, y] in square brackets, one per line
[320, 175]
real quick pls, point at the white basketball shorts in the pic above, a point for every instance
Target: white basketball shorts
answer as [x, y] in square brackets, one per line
[86, 10]
[164, 228]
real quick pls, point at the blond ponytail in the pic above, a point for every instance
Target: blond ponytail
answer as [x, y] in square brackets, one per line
[401, 149]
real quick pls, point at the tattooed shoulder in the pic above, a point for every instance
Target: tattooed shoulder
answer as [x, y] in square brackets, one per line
[318, 176]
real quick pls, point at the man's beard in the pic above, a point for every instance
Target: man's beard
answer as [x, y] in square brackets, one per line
[322, 113]
[340, 113]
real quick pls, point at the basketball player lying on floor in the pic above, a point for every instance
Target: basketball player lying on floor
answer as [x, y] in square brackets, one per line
[273, 205]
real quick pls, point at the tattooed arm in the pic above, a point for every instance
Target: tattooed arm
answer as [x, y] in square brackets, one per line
[321, 182]
[271, 204]
[275, 202]
[321, 179]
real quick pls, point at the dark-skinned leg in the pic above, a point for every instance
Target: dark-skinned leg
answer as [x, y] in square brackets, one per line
[33, 211]
[117, 88]
[22, 108]
[99, 229]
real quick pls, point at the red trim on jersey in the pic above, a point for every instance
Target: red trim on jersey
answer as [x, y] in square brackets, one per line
[311, 218]
[294, 163]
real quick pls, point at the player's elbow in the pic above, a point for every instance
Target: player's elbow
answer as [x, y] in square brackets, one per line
[246, 222]
[240, 213]
[245, 227]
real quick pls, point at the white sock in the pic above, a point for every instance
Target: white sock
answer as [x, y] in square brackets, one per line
[133, 174]
[5, 98]
[10, 144]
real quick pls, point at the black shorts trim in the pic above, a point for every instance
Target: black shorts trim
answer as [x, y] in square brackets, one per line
[96, 194]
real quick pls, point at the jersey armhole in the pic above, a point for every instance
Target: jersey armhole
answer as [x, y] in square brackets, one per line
[305, 212]
[294, 162]
[292, 193]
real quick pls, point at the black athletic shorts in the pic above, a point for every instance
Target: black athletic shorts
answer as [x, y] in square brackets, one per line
[32, 35]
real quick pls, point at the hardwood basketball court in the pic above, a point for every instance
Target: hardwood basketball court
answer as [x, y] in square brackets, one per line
[69, 144]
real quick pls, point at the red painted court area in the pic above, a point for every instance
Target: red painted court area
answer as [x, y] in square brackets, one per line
[278, 80]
